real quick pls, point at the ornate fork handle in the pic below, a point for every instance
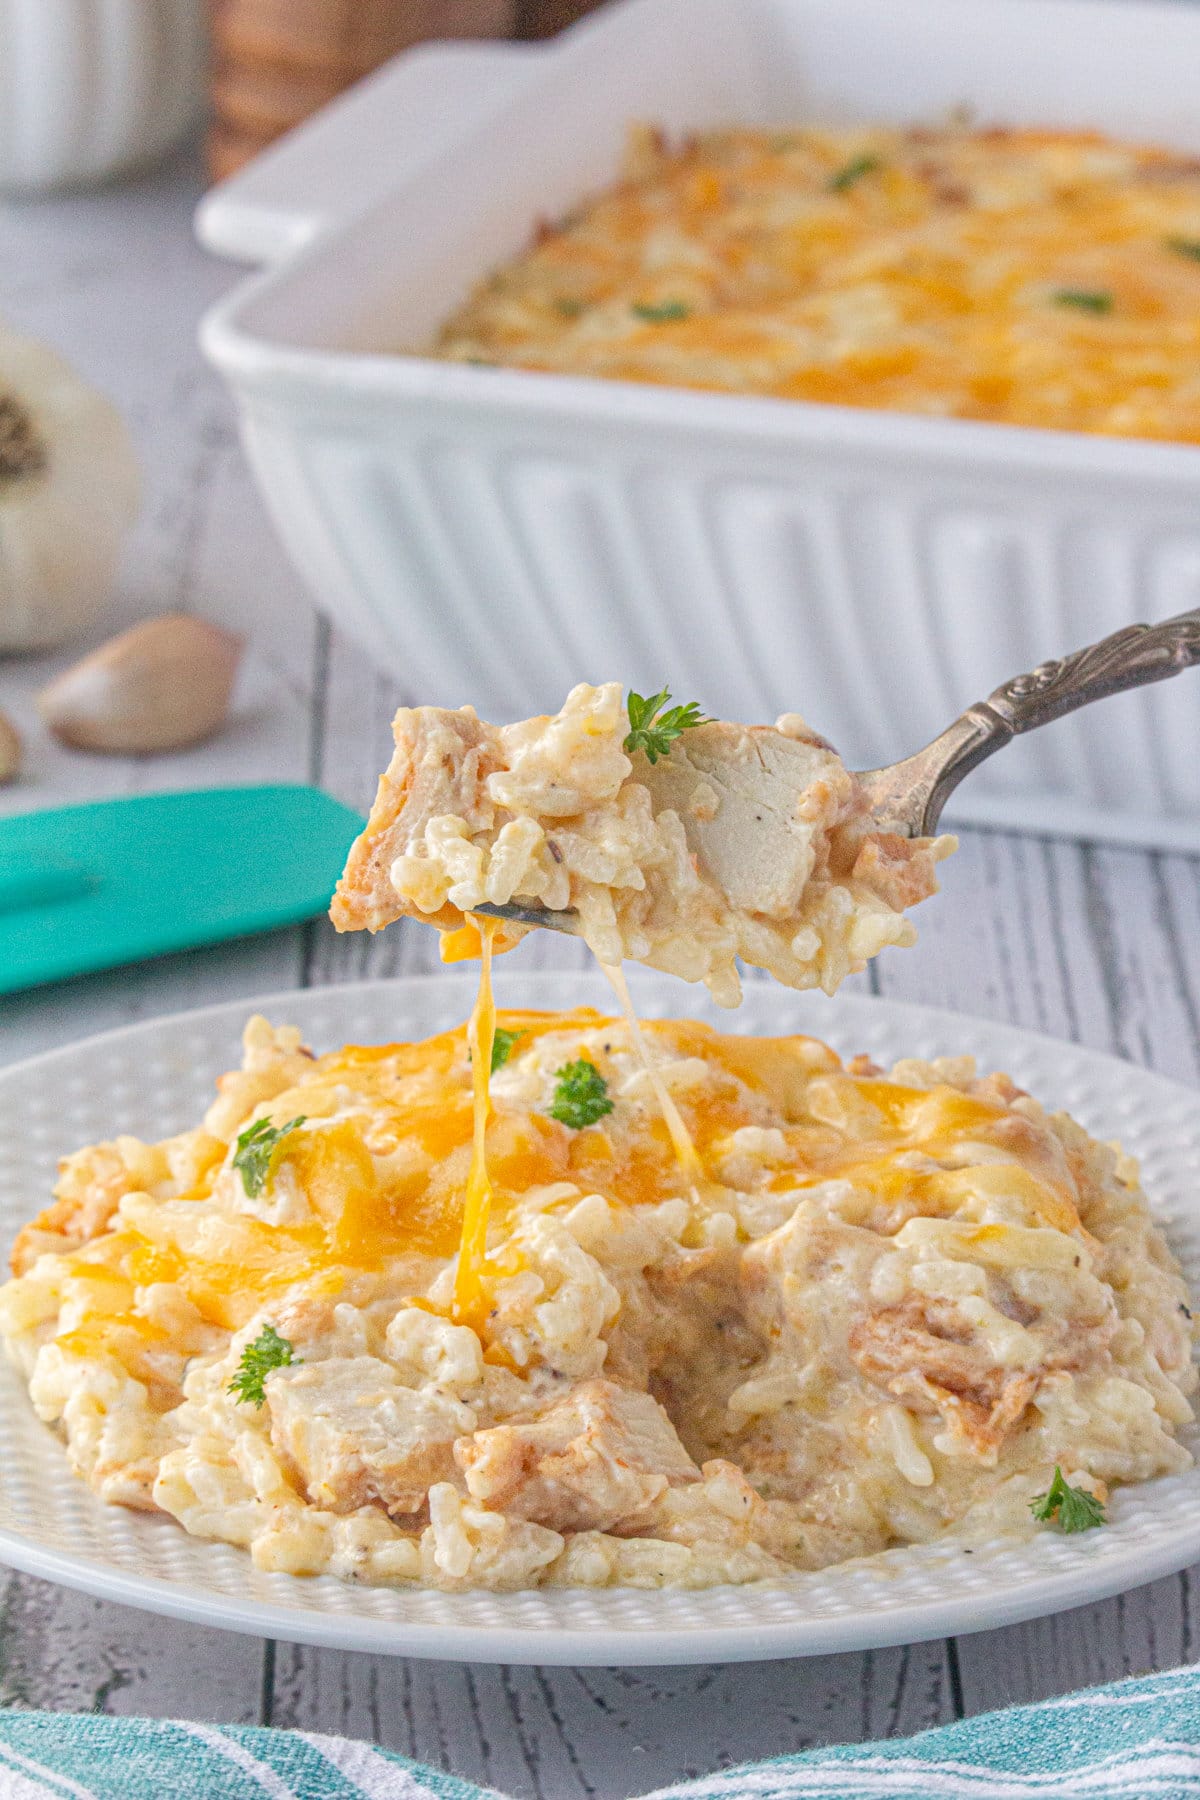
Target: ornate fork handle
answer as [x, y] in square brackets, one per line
[1128, 659]
[910, 795]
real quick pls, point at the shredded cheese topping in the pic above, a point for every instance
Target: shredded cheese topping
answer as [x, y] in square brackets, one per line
[1034, 277]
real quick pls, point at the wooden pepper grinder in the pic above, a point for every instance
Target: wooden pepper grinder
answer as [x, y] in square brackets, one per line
[276, 61]
[541, 18]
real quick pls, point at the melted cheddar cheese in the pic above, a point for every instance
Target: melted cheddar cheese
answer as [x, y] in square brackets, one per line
[1033, 277]
[477, 1202]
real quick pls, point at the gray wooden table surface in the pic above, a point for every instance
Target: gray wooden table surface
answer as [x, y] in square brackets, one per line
[1090, 943]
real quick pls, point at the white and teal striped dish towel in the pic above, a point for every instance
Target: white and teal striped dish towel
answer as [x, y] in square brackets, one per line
[1139, 1740]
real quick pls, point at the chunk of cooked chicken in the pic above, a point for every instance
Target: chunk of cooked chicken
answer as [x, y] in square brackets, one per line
[742, 841]
[594, 1461]
[355, 1435]
[917, 1352]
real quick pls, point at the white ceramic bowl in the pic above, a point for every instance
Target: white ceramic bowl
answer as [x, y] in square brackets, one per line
[92, 87]
[495, 535]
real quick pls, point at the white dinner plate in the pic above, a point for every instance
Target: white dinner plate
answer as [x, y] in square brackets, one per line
[156, 1078]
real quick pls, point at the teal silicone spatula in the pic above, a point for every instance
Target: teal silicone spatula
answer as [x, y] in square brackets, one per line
[113, 881]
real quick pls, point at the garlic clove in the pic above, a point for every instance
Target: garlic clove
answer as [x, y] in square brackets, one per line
[161, 686]
[10, 750]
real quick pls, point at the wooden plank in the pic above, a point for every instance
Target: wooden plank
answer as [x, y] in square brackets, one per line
[1148, 1629]
[991, 945]
[67, 1652]
[1143, 914]
[592, 1734]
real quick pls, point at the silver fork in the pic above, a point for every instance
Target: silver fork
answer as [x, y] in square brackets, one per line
[908, 797]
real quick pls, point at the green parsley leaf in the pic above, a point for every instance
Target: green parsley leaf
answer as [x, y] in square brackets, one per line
[268, 1351]
[502, 1046]
[1185, 247]
[580, 1095]
[852, 172]
[256, 1150]
[568, 308]
[1089, 300]
[653, 730]
[1075, 1508]
[666, 314]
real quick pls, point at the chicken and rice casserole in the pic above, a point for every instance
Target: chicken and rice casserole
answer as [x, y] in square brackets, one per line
[890, 1306]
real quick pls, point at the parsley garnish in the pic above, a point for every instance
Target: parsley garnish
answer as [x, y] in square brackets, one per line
[1089, 300]
[1075, 1508]
[653, 730]
[268, 1351]
[502, 1046]
[853, 171]
[666, 314]
[569, 309]
[1185, 247]
[580, 1095]
[256, 1148]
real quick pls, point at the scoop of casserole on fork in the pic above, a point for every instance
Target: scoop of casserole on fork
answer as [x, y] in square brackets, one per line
[684, 848]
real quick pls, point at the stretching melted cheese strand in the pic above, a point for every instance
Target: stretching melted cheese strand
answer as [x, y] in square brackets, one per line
[481, 1035]
[685, 1149]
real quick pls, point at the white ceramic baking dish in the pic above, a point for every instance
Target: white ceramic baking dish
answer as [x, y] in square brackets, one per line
[495, 535]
